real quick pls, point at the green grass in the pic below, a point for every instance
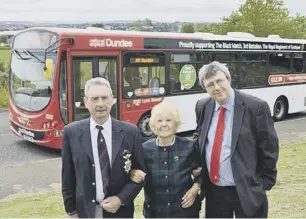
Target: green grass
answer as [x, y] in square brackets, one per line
[4, 93]
[286, 200]
[4, 57]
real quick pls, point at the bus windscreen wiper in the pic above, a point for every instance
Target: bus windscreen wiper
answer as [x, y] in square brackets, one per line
[17, 53]
[34, 56]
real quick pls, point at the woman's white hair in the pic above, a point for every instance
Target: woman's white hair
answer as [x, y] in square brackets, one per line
[162, 108]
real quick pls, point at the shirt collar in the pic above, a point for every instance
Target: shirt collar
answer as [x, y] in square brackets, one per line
[106, 126]
[172, 143]
[230, 102]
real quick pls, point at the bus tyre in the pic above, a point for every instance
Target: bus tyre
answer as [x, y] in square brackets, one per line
[280, 109]
[144, 127]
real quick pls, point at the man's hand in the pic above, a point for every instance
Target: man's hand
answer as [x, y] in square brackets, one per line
[190, 196]
[111, 204]
[137, 176]
[196, 172]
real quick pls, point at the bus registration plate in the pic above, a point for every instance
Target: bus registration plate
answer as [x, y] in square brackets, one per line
[28, 138]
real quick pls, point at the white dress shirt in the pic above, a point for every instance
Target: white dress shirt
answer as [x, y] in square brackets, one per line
[107, 133]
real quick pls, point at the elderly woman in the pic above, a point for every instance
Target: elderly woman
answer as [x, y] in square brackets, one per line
[170, 190]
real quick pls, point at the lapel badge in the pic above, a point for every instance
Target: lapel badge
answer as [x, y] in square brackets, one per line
[176, 158]
[126, 155]
[127, 163]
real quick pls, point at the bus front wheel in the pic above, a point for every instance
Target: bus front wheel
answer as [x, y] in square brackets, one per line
[144, 127]
[280, 109]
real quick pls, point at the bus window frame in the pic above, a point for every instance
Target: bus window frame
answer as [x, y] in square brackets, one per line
[280, 52]
[202, 62]
[145, 52]
[303, 61]
[266, 75]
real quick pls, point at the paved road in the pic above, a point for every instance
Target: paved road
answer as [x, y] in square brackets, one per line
[25, 167]
[15, 151]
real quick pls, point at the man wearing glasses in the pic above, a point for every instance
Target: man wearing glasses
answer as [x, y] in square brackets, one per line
[239, 146]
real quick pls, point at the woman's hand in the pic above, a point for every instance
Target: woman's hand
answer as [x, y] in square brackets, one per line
[137, 176]
[190, 196]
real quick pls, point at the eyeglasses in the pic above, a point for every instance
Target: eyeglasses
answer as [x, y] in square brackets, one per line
[219, 82]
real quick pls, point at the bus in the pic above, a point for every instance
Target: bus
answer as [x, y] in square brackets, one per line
[49, 68]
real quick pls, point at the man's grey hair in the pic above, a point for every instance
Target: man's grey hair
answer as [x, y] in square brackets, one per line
[97, 81]
[211, 69]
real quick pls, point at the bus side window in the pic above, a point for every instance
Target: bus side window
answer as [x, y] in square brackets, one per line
[297, 63]
[252, 69]
[279, 63]
[143, 74]
[184, 69]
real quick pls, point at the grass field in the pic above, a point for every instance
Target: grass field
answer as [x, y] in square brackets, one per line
[286, 200]
[4, 57]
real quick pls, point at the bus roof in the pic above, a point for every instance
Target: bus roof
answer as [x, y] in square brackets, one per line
[231, 36]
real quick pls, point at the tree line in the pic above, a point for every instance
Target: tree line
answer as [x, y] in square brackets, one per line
[258, 17]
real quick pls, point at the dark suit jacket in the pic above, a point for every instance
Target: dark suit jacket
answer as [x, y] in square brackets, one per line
[254, 148]
[78, 170]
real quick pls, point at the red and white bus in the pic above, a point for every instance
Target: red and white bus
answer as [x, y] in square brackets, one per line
[49, 67]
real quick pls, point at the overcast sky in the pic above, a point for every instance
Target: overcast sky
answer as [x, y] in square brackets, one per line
[109, 10]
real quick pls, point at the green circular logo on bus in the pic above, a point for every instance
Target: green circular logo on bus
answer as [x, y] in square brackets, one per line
[188, 76]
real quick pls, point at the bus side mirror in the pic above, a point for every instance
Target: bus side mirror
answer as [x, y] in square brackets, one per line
[48, 69]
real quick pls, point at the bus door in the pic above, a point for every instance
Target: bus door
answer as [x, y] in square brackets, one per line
[84, 67]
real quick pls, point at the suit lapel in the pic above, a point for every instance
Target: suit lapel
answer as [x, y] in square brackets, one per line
[207, 119]
[237, 120]
[85, 138]
[117, 139]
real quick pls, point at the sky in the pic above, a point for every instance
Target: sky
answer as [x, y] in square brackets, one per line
[111, 10]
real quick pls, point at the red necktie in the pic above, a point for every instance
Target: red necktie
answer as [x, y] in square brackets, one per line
[217, 146]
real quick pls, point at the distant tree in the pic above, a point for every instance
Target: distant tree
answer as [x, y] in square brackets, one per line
[3, 74]
[300, 24]
[99, 25]
[261, 18]
[148, 22]
[3, 39]
[2, 66]
[208, 28]
[142, 25]
[187, 28]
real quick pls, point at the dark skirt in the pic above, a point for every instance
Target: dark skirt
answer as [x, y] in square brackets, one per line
[158, 211]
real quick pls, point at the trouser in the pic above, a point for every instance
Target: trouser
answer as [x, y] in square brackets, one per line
[98, 211]
[223, 202]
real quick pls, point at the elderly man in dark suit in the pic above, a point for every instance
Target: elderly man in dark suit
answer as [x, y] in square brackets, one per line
[97, 156]
[239, 147]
